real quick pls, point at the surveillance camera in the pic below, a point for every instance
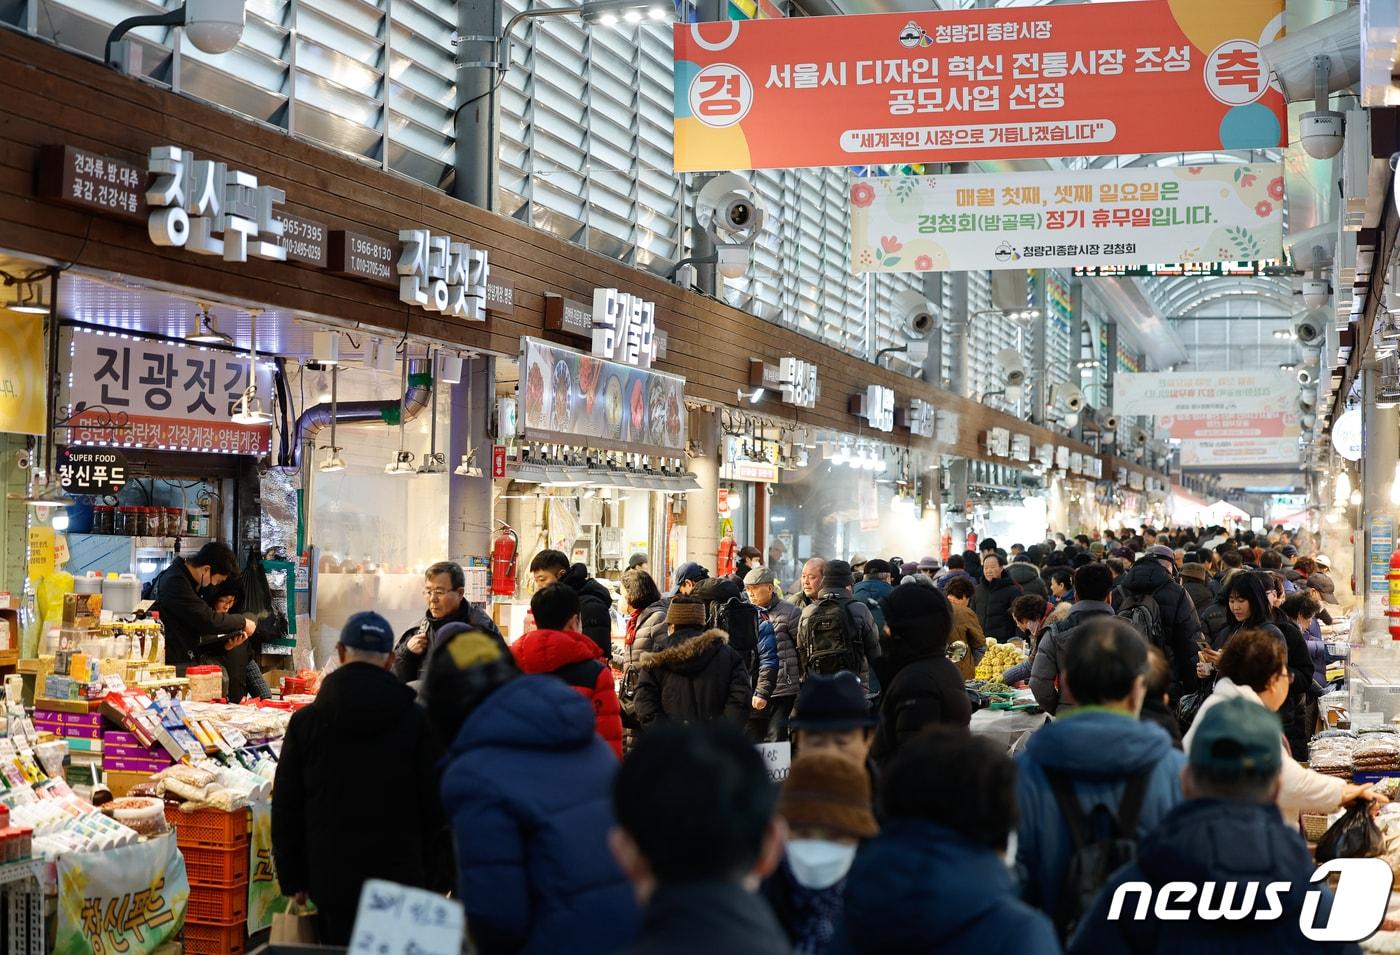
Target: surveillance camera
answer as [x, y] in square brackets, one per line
[732, 261]
[1312, 248]
[728, 206]
[1306, 405]
[1322, 133]
[1308, 421]
[1140, 438]
[1316, 292]
[1310, 329]
[23, 460]
[1074, 400]
[913, 315]
[737, 214]
[1306, 376]
[214, 26]
[1110, 424]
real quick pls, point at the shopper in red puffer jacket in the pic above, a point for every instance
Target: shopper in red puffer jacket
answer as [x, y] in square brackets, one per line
[559, 648]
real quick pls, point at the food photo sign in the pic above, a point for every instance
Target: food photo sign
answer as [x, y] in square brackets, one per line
[571, 398]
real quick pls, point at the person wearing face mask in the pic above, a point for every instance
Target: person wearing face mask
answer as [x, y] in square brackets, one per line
[826, 802]
[935, 879]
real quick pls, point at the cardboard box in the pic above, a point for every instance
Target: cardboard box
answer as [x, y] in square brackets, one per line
[128, 765]
[121, 781]
[67, 706]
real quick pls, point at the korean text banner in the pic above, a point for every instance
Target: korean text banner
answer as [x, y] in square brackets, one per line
[1221, 213]
[130, 900]
[23, 391]
[1076, 80]
[1184, 394]
[128, 391]
[1230, 439]
[573, 398]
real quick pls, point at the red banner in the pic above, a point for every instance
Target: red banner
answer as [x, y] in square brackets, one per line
[1083, 79]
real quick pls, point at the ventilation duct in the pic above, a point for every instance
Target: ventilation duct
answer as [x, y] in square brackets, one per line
[415, 399]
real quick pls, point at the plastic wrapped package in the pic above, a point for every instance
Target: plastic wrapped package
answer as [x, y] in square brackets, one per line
[1376, 752]
[1332, 755]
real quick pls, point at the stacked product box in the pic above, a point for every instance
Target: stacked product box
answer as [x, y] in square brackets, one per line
[71, 726]
[123, 752]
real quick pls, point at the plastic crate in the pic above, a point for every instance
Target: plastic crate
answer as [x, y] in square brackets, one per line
[212, 905]
[206, 938]
[208, 828]
[217, 867]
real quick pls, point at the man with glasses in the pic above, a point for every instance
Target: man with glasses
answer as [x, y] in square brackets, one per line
[444, 592]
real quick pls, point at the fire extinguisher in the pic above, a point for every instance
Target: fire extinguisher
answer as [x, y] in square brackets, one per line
[726, 555]
[503, 550]
[1392, 607]
[972, 540]
[946, 546]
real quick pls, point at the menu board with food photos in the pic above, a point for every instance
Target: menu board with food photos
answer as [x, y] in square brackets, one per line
[572, 398]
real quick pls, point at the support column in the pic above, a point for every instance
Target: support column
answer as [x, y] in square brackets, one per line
[959, 381]
[702, 506]
[470, 520]
[477, 139]
[1380, 446]
[1039, 330]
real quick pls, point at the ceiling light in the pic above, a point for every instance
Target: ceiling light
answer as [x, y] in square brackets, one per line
[434, 462]
[250, 410]
[29, 299]
[659, 13]
[608, 19]
[401, 464]
[633, 16]
[203, 331]
[44, 496]
[59, 522]
[753, 396]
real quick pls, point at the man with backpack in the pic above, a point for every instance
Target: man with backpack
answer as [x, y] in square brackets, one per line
[1152, 600]
[1092, 784]
[837, 631]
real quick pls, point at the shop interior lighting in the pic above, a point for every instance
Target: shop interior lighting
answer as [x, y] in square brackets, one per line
[468, 467]
[203, 331]
[29, 299]
[250, 405]
[333, 461]
[753, 396]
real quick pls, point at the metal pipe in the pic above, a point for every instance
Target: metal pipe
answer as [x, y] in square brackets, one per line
[172, 18]
[415, 399]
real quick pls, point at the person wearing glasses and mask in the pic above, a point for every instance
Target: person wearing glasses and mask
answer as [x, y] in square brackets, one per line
[444, 592]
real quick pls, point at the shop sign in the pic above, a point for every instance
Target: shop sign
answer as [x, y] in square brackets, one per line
[976, 85]
[23, 383]
[91, 182]
[394, 919]
[876, 406]
[1045, 455]
[1066, 218]
[263, 890]
[205, 207]
[947, 426]
[131, 899]
[91, 471]
[126, 391]
[1346, 434]
[572, 398]
[623, 328]
[792, 379]
[498, 461]
[1021, 447]
[1062, 458]
[359, 256]
[41, 551]
[763, 472]
[918, 417]
[1076, 463]
[777, 759]
[1381, 538]
[439, 274]
[568, 316]
[500, 297]
[997, 441]
[304, 239]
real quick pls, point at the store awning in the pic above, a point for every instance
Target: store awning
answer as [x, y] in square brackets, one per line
[554, 475]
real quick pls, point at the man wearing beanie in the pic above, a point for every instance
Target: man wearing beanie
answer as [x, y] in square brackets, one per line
[922, 687]
[826, 802]
[692, 674]
[526, 784]
[837, 632]
[364, 724]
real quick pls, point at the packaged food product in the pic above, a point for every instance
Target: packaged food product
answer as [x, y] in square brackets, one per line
[140, 813]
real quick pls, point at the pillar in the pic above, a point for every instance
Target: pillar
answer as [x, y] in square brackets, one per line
[1039, 331]
[1380, 446]
[469, 526]
[477, 139]
[702, 506]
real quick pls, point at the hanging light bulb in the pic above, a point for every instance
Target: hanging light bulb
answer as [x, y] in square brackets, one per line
[250, 405]
[59, 521]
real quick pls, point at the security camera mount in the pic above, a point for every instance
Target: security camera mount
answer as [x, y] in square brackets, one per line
[1322, 130]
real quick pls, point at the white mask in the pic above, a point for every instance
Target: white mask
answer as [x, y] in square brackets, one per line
[818, 864]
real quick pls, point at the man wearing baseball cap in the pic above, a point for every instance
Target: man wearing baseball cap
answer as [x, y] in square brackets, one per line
[1230, 783]
[363, 726]
[1153, 581]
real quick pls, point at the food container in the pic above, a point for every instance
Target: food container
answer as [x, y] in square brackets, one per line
[123, 521]
[103, 519]
[174, 522]
[144, 814]
[206, 683]
[121, 594]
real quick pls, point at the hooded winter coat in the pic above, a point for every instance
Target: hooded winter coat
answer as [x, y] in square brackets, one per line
[992, 602]
[784, 618]
[575, 659]
[1100, 750]
[921, 688]
[527, 785]
[594, 607]
[922, 887]
[1180, 625]
[1204, 841]
[408, 666]
[363, 720]
[1047, 670]
[691, 676]
[1028, 576]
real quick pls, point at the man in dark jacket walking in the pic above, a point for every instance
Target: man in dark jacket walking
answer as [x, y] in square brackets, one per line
[444, 591]
[363, 724]
[1027, 575]
[1092, 584]
[863, 640]
[1195, 579]
[992, 603]
[922, 687]
[696, 833]
[594, 601]
[777, 641]
[693, 675]
[192, 629]
[1154, 576]
[874, 588]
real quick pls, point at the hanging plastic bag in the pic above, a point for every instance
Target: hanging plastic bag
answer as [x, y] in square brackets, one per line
[1354, 836]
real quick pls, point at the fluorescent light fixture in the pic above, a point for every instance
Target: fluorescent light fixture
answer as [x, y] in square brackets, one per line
[402, 464]
[609, 13]
[435, 463]
[29, 299]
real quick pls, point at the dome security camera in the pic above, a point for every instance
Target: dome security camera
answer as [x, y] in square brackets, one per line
[1013, 368]
[1316, 292]
[913, 315]
[214, 26]
[1074, 401]
[737, 214]
[1309, 329]
[1322, 133]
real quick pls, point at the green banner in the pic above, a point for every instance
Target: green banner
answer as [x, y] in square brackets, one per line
[263, 890]
[130, 900]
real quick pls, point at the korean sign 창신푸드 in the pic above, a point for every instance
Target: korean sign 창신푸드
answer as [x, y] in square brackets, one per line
[1043, 219]
[1073, 80]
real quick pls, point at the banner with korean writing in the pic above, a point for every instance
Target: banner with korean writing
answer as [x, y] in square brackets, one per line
[1187, 394]
[1075, 80]
[130, 900]
[573, 398]
[23, 384]
[1229, 439]
[128, 391]
[1072, 218]
[263, 889]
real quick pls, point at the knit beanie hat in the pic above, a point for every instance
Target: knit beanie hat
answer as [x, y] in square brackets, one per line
[686, 612]
[828, 791]
[838, 576]
[464, 668]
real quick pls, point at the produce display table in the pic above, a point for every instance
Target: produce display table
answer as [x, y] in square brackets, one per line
[1009, 728]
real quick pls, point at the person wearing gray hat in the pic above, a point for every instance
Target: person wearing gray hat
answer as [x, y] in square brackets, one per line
[1323, 589]
[780, 674]
[638, 561]
[837, 631]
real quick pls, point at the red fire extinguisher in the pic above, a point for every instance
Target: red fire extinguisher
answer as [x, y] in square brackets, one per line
[726, 555]
[972, 540]
[503, 550]
[946, 545]
[1392, 606]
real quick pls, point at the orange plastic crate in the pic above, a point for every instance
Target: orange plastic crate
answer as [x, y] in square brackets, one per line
[216, 867]
[204, 938]
[211, 904]
[209, 828]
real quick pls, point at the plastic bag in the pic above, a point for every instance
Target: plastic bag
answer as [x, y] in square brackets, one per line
[1354, 836]
[1189, 705]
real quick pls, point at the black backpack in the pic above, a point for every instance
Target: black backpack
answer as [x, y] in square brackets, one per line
[1093, 858]
[1143, 612]
[738, 618]
[827, 641]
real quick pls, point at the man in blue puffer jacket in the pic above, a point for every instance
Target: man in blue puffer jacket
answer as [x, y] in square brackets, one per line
[526, 786]
[1099, 749]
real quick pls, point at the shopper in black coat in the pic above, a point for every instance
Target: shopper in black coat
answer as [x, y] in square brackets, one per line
[444, 592]
[1154, 576]
[922, 687]
[594, 600]
[992, 602]
[364, 729]
[693, 675]
[192, 629]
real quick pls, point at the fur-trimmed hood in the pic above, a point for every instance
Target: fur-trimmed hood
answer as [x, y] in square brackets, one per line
[683, 651]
